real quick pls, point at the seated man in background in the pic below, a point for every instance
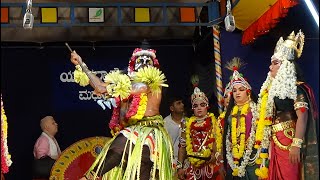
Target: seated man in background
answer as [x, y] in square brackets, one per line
[46, 149]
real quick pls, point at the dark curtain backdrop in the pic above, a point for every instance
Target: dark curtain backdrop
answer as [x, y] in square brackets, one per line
[29, 91]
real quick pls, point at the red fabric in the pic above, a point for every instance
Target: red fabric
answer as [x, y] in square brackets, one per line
[267, 21]
[313, 105]
[280, 167]
[79, 166]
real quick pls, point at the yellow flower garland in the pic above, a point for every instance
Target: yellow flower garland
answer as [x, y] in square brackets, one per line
[141, 108]
[262, 172]
[237, 152]
[264, 121]
[204, 152]
[240, 168]
[152, 76]
[218, 129]
[119, 85]
[80, 77]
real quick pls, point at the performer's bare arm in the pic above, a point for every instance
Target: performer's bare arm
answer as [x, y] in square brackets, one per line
[301, 125]
[95, 82]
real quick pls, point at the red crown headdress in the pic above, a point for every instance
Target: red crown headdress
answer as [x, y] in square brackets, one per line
[142, 52]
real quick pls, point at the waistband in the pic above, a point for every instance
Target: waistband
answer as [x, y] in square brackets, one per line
[153, 121]
[283, 126]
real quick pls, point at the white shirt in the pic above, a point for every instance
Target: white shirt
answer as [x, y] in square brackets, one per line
[174, 131]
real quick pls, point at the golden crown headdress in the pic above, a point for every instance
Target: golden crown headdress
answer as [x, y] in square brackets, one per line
[236, 78]
[197, 93]
[289, 49]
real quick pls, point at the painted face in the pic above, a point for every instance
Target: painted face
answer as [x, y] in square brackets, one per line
[240, 95]
[274, 67]
[200, 108]
[143, 61]
[177, 107]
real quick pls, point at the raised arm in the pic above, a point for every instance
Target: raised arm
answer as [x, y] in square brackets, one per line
[95, 82]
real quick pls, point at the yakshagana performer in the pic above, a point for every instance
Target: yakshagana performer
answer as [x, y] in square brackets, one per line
[199, 156]
[141, 147]
[240, 127]
[288, 117]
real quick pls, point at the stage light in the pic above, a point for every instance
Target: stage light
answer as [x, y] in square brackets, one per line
[28, 17]
[313, 11]
[229, 21]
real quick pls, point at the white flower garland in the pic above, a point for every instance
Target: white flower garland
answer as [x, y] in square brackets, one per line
[284, 84]
[246, 157]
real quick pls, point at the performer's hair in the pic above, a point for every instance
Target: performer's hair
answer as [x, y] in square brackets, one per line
[299, 72]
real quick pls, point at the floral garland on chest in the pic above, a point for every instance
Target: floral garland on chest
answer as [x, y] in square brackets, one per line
[237, 148]
[120, 89]
[265, 108]
[219, 128]
[200, 139]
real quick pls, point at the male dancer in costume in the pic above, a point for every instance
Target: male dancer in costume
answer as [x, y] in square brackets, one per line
[141, 147]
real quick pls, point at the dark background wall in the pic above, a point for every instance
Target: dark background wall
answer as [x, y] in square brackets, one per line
[28, 87]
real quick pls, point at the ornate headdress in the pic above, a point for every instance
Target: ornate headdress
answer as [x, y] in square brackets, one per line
[197, 93]
[290, 49]
[236, 78]
[284, 83]
[142, 52]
